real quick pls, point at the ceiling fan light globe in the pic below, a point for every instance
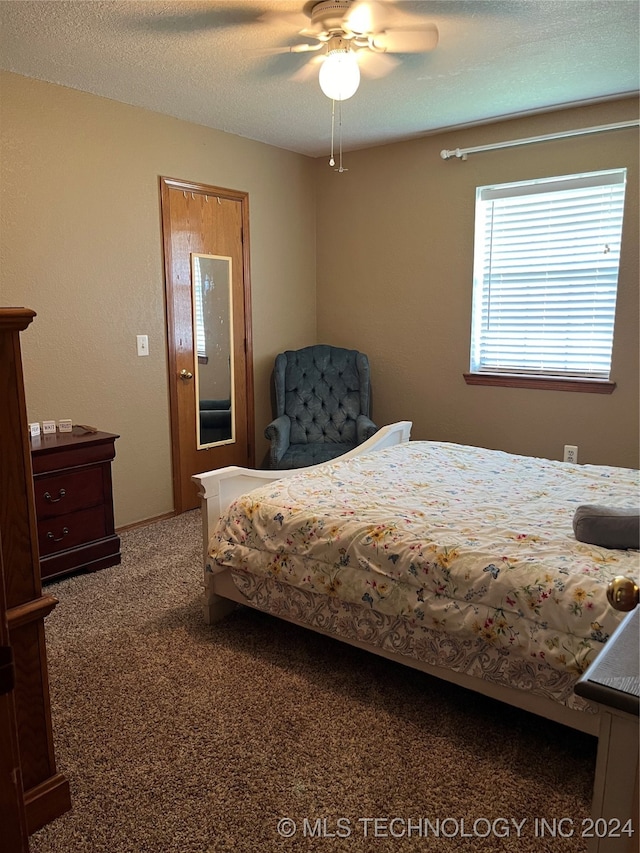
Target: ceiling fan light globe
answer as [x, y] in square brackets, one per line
[339, 76]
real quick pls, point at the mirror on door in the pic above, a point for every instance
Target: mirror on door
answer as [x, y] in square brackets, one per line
[213, 356]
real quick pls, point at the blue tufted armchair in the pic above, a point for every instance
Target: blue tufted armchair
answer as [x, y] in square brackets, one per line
[322, 405]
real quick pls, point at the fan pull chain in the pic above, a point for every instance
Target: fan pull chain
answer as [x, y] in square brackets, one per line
[332, 161]
[341, 169]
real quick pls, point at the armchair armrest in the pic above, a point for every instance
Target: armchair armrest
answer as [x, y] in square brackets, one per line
[278, 433]
[365, 428]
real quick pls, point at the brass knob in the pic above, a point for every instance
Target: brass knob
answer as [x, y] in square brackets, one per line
[623, 593]
[185, 374]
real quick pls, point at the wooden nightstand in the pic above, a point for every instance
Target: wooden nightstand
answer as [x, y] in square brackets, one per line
[74, 502]
[613, 681]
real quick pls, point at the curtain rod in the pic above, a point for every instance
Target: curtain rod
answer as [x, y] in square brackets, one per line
[461, 153]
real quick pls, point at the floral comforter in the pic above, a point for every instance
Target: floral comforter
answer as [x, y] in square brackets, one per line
[456, 552]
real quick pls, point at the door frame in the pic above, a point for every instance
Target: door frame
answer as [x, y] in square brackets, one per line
[167, 184]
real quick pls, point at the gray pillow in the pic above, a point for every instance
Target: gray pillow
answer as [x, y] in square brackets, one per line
[609, 527]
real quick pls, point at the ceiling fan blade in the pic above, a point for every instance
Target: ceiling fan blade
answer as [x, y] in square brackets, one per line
[367, 16]
[406, 41]
[376, 64]
[192, 19]
[294, 48]
[293, 19]
[308, 71]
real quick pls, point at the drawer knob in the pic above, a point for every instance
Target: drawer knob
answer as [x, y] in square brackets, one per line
[52, 500]
[50, 535]
[623, 593]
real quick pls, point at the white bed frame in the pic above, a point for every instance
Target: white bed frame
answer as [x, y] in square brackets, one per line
[219, 488]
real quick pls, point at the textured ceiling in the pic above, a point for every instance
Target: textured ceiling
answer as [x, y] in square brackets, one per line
[208, 62]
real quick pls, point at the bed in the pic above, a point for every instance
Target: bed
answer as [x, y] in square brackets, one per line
[458, 561]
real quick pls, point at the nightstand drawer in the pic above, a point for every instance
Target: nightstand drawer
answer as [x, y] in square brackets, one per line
[70, 530]
[67, 492]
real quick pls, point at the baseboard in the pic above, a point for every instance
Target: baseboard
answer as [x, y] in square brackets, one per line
[46, 801]
[146, 521]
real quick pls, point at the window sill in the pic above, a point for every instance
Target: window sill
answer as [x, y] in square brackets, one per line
[545, 383]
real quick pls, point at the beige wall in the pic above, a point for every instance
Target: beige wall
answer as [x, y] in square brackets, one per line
[394, 278]
[81, 245]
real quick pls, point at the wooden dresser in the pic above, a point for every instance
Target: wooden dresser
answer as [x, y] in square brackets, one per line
[74, 501]
[27, 767]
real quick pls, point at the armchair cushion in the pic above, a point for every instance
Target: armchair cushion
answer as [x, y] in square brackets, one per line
[214, 405]
[301, 455]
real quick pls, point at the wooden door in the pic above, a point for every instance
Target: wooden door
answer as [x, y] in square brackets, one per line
[206, 224]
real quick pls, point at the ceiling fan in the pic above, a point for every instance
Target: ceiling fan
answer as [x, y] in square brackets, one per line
[355, 34]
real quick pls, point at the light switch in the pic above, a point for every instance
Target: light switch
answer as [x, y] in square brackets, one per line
[143, 344]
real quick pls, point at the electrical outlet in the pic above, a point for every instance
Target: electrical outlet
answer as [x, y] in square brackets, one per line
[143, 344]
[570, 453]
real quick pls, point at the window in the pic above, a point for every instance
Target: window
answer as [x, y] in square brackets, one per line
[545, 279]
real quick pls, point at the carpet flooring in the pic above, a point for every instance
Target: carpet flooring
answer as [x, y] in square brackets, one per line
[253, 735]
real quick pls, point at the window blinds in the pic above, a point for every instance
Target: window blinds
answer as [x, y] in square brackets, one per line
[546, 274]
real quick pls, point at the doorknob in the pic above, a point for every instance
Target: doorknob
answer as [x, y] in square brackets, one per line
[186, 374]
[622, 593]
